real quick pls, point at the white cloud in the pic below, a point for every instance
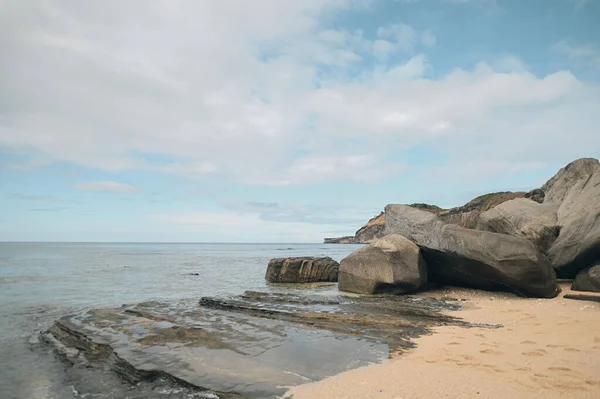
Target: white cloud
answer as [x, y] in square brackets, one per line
[477, 2]
[587, 54]
[108, 187]
[575, 51]
[243, 221]
[244, 227]
[266, 94]
[400, 38]
[428, 38]
[579, 4]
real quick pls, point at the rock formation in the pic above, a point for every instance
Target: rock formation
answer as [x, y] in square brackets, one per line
[468, 214]
[576, 190]
[302, 270]
[523, 218]
[392, 264]
[368, 233]
[255, 345]
[479, 259]
[465, 216]
[588, 280]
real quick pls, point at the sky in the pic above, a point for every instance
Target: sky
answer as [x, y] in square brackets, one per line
[281, 121]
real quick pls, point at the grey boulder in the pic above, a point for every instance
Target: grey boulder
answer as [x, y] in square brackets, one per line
[523, 218]
[588, 280]
[576, 191]
[302, 270]
[392, 264]
[472, 258]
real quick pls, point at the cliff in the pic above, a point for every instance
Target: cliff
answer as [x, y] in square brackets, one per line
[371, 231]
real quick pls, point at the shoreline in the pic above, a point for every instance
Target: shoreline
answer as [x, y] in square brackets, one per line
[547, 348]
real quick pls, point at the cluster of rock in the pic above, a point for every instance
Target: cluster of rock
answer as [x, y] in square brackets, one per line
[465, 216]
[520, 244]
[255, 345]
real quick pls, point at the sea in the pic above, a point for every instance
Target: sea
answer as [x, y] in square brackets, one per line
[40, 282]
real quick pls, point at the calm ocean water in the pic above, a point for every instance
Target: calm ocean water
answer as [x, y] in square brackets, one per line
[40, 282]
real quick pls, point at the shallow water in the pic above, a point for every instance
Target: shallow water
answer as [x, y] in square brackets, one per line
[39, 282]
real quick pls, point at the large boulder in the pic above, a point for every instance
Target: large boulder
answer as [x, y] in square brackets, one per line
[523, 218]
[392, 264]
[472, 258]
[302, 270]
[576, 191]
[588, 280]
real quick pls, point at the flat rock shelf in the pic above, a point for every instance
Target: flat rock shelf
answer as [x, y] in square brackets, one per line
[250, 346]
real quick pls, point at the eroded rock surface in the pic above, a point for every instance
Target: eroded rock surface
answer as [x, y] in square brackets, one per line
[523, 218]
[472, 258]
[392, 264]
[588, 280]
[576, 189]
[251, 346]
[302, 270]
[370, 232]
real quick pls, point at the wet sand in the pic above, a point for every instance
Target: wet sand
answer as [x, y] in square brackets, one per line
[548, 348]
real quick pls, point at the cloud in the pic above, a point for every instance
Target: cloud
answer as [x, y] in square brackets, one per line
[587, 54]
[475, 2]
[51, 209]
[579, 4]
[108, 187]
[575, 51]
[343, 216]
[235, 227]
[33, 197]
[269, 94]
[399, 38]
[243, 220]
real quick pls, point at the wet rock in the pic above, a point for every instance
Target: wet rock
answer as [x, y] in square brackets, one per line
[525, 219]
[471, 258]
[576, 189]
[588, 280]
[302, 270]
[392, 264]
[251, 346]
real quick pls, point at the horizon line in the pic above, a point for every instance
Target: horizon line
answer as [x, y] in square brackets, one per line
[154, 242]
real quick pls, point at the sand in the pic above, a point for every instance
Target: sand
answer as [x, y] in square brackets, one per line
[548, 348]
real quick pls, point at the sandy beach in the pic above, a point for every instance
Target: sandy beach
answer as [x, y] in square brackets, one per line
[547, 348]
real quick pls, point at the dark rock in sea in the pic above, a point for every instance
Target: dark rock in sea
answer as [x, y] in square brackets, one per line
[576, 189]
[472, 258]
[588, 280]
[252, 346]
[523, 218]
[302, 270]
[392, 264]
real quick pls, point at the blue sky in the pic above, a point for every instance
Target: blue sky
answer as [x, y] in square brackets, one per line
[282, 121]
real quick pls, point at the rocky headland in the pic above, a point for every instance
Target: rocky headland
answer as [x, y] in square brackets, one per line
[259, 344]
[519, 242]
